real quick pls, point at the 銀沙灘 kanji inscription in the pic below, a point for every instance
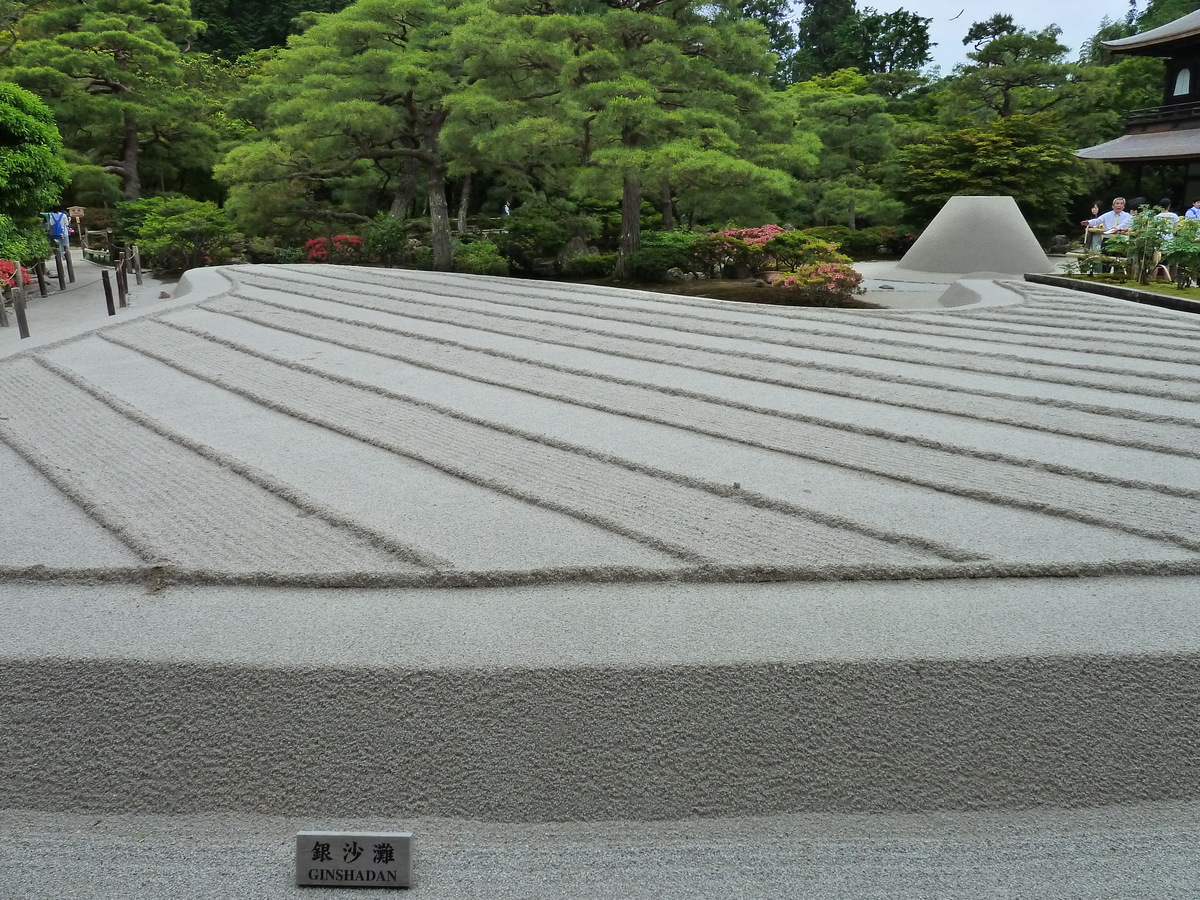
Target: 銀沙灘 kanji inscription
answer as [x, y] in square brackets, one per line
[353, 859]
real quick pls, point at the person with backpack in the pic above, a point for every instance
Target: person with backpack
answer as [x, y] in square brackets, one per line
[59, 228]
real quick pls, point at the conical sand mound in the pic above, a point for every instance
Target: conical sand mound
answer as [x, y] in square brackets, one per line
[977, 234]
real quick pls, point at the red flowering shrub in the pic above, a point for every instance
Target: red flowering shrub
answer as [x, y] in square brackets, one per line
[824, 283]
[347, 249]
[6, 273]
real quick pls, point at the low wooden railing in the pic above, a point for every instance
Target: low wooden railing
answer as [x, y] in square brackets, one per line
[1171, 112]
[123, 259]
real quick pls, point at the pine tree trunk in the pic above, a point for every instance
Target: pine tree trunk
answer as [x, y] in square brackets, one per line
[464, 202]
[439, 220]
[631, 226]
[406, 192]
[664, 202]
[130, 156]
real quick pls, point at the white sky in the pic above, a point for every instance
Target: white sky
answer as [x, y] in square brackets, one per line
[1078, 20]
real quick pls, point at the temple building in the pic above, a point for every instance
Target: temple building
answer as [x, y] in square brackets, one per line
[1166, 135]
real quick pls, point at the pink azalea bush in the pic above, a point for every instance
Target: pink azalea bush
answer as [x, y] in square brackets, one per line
[347, 248]
[824, 283]
[755, 237]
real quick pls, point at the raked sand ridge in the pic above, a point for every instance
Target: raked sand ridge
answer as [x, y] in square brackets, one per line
[552, 552]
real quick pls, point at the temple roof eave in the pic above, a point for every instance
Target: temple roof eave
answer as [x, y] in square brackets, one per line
[1159, 41]
[1178, 146]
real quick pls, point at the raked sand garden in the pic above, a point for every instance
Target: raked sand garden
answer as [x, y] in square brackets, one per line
[536, 553]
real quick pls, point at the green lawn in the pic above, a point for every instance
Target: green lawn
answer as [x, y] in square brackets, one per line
[1166, 288]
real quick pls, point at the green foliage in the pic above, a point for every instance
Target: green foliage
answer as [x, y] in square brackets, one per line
[661, 96]
[837, 234]
[595, 265]
[835, 34]
[710, 254]
[113, 72]
[824, 284]
[236, 28]
[1024, 157]
[1182, 253]
[350, 104]
[538, 232]
[132, 214]
[1144, 243]
[385, 239]
[32, 174]
[90, 185]
[794, 249]
[857, 137]
[678, 240]
[878, 240]
[652, 263]
[1160, 12]
[26, 243]
[479, 258]
[178, 234]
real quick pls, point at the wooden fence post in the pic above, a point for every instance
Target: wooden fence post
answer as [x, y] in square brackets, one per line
[108, 294]
[19, 306]
[40, 270]
[58, 268]
[137, 263]
[122, 281]
[70, 266]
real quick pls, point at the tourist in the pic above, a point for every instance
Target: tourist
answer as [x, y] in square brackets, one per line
[1166, 215]
[1116, 219]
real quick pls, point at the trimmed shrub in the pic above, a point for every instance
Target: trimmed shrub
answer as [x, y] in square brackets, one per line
[131, 214]
[595, 265]
[710, 254]
[793, 249]
[837, 234]
[878, 240]
[534, 234]
[653, 263]
[479, 258]
[385, 239]
[824, 283]
[180, 234]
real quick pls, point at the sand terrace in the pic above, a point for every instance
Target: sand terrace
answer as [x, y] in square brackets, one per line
[420, 430]
[538, 553]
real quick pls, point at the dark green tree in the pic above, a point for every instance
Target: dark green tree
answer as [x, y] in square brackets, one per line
[355, 97]
[630, 98]
[1160, 12]
[236, 27]
[1026, 157]
[857, 141]
[835, 34]
[112, 72]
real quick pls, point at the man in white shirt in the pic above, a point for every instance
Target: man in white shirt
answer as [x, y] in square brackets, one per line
[1116, 219]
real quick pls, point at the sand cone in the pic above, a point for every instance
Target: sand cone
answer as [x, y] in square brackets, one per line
[977, 234]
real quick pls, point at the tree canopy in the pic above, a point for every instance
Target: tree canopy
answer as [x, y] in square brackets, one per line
[32, 172]
[592, 119]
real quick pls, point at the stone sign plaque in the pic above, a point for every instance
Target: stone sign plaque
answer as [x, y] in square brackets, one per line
[353, 859]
